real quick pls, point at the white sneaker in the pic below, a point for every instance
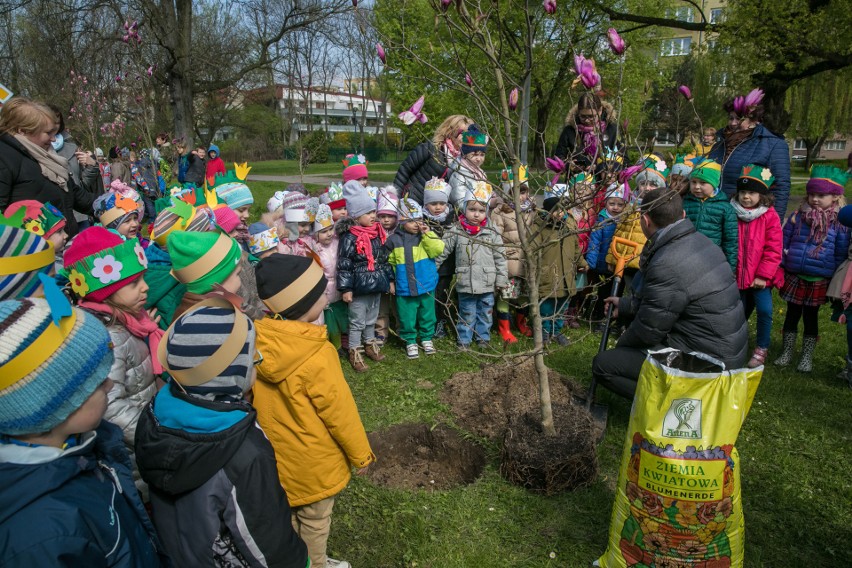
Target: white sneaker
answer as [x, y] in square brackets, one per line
[332, 563]
[428, 348]
[412, 351]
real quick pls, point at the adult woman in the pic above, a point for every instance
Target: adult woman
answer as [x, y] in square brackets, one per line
[29, 166]
[431, 159]
[590, 131]
[746, 141]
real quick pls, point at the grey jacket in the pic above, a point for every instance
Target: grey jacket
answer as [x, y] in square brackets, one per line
[480, 260]
[686, 298]
[461, 180]
[89, 178]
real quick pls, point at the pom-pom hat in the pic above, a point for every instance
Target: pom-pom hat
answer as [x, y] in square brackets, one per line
[826, 180]
[289, 285]
[473, 140]
[99, 262]
[354, 167]
[755, 177]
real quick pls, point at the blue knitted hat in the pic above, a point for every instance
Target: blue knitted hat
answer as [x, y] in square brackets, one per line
[47, 369]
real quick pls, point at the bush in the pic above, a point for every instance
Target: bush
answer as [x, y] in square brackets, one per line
[312, 148]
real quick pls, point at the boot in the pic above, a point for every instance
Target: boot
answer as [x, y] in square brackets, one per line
[503, 328]
[523, 327]
[372, 351]
[356, 359]
[758, 357]
[789, 349]
[806, 363]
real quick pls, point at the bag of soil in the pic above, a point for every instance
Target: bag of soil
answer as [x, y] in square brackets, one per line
[678, 499]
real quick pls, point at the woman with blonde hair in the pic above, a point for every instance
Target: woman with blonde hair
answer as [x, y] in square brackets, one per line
[432, 158]
[29, 166]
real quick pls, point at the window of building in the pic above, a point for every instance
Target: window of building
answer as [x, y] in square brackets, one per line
[717, 15]
[799, 144]
[682, 13]
[675, 46]
[834, 145]
[664, 138]
[319, 105]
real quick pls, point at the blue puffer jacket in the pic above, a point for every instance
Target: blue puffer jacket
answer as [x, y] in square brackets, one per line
[74, 507]
[798, 248]
[764, 148]
[599, 243]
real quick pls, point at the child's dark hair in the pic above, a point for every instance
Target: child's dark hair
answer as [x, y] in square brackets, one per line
[766, 199]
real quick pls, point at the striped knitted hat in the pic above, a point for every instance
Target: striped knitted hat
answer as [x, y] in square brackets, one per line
[180, 216]
[23, 256]
[289, 285]
[235, 194]
[708, 171]
[47, 370]
[210, 350]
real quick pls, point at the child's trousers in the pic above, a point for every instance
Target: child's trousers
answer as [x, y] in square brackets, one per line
[475, 317]
[551, 311]
[363, 311]
[416, 314]
[313, 523]
[762, 301]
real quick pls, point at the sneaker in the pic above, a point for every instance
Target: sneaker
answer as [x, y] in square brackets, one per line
[561, 340]
[412, 351]
[440, 331]
[332, 563]
[482, 344]
[428, 348]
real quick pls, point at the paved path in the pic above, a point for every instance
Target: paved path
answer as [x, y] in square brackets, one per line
[316, 179]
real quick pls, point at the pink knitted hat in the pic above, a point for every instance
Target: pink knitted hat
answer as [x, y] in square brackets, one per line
[90, 242]
[226, 218]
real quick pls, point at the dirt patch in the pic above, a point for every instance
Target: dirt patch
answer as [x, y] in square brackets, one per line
[412, 456]
[550, 464]
[485, 401]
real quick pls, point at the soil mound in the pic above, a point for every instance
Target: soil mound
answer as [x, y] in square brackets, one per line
[412, 456]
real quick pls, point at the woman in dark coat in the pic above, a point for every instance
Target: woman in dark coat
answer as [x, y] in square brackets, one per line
[431, 159]
[29, 166]
[746, 141]
[589, 133]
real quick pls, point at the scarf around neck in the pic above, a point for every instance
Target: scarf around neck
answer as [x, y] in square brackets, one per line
[476, 173]
[363, 241]
[470, 228]
[450, 149]
[734, 139]
[139, 325]
[437, 218]
[747, 215]
[590, 137]
[53, 166]
[820, 222]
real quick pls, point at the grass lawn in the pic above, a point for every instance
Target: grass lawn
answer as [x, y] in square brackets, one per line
[795, 450]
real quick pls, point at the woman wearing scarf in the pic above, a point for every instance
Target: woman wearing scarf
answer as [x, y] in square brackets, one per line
[432, 158]
[589, 133]
[746, 141]
[29, 166]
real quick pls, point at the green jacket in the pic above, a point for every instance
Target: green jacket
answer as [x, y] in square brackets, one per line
[714, 218]
[164, 292]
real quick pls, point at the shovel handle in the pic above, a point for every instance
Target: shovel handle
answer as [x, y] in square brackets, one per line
[622, 258]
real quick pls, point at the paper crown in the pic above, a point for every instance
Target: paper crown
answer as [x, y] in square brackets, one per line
[619, 190]
[409, 210]
[610, 157]
[508, 174]
[105, 267]
[333, 196]
[323, 218]
[481, 192]
[199, 197]
[354, 160]
[755, 177]
[263, 241]
[827, 180]
[112, 206]
[581, 177]
[437, 184]
[373, 192]
[555, 190]
[179, 216]
[43, 219]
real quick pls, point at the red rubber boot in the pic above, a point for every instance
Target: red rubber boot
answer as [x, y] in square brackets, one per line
[503, 328]
[523, 327]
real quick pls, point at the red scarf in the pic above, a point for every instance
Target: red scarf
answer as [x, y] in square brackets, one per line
[140, 325]
[363, 241]
[472, 230]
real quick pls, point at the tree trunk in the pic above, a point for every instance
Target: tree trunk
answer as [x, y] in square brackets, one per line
[775, 117]
[812, 148]
[178, 74]
[533, 269]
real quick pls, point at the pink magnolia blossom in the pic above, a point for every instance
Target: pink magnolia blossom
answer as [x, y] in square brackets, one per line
[685, 91]
[616, 44]
[555, 164]
[628, 173]
[468, 79]
[445, 4]
[586, 71]
[549, 6]
[381, 52]
[513, 99]
[150, 70]
[415, 113]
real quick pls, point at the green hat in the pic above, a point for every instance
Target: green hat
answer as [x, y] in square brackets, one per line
[708, 171]
[826, 180]
[656, 171]
[582, 177]
[201, 260]
[755, 178]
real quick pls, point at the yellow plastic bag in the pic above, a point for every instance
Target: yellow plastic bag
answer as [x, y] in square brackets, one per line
[678, 502]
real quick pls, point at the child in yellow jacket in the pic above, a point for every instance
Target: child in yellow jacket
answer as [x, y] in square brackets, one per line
[303, 402]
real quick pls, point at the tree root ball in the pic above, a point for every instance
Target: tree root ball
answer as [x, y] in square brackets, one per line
[551, 464]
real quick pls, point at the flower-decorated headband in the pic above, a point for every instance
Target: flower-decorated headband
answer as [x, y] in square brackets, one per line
[43, 219]
[105, 267]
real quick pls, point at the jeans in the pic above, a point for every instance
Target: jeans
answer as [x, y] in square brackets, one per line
[475, 313]
[762, 301]
[551, 311]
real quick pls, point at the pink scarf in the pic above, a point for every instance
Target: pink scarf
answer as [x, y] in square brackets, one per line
[470, 228]
[820, 221]
[363, 241]
[478, 173]
[140, 325]
[450, 149]
[590, 137]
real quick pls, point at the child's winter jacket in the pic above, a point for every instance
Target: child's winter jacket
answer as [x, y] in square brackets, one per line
[628, 228]
[600, 241]
[74, 507]
[215, 494]
[799, 248]
[760, 243]
[505, 222]
[462, 180]
[353, 274]
[413, 260]
[215, 165]
[480, 262]
[560, 257]
[448, 267]
[328, 258]
[307, 411]
[714, 218]
[164, 290]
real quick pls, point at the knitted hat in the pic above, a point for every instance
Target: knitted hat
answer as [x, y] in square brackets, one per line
[473, 140]
[622, 191]
[388, 201]
[298, 188]
[294, 207]
[180, 216]
[43, 219]
[708, 171]
[289, 285]
[231, 187]
[755, 178]
[656, 171]
[826, 180]
[333, 197]
[276, 201]
[113, 208]
[555, 190]
[481, 193]
[226, 219]
[23, 257]
[844, 216]
[323, 218]
[683, 165]
[409, 210]
[50, 363]
[358, 201]
[201, 260]
[436, 190]
[262, 238]
[99, 262]
[210, 350]
[354, 167]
